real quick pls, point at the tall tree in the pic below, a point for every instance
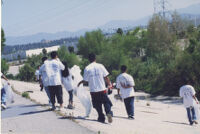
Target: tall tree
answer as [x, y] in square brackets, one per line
[44, 51]
[3, 39]
[120, 31]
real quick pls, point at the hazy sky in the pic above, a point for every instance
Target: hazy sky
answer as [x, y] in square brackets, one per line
[25, 17]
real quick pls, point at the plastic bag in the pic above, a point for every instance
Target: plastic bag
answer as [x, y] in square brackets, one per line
[9, 92]
[80, 91]
[197, 111]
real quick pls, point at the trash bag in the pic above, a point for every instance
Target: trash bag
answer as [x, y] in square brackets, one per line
[9, 92]
[81, 92]
[197, 111]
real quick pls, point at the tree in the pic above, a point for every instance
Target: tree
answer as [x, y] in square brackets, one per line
[160, 41]
[19, 58]
[44, 51]
[92, 42]
[26, 73]
[120, 31]
[2, 40]
[4, 66]
[71, 49]
[70, 58]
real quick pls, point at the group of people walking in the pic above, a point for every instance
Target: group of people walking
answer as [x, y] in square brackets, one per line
[53, 73]
[96, 76]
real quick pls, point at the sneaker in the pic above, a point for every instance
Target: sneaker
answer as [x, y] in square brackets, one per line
[195, 122]
[70, 106]
[53, 108]
[109, 116]
[191, 123]
[3, 106]
[102, 121]
[131, 117]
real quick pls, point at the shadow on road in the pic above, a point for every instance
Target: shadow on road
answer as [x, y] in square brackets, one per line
[36, 112]
[121, 117]
[34, 105]
[181, 123]
[79, 118]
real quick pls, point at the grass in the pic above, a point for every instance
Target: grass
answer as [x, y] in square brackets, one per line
[26, 95]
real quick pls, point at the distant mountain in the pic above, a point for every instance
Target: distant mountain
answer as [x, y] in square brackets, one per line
[10, 40]
[190, 11]
[193, 9]
[126, 23]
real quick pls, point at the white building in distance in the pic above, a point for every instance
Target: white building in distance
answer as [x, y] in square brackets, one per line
[28, 53]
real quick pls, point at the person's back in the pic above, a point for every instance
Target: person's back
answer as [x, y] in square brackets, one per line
[126, 79]
[68, 81]
[187, 92]
[94, 74]
[54, 72]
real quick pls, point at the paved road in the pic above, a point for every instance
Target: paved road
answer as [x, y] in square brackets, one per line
[26, 117]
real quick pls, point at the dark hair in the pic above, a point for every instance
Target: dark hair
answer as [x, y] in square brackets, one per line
[65, 72]
[92, 57]
[123, 68]
[53, 54]
[44, 58]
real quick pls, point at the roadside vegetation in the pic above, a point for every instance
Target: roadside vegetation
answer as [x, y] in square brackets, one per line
[158, 57]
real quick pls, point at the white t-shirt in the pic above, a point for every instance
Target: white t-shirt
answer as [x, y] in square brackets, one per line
[37, 74]
[94, 74]
[44, 76]
[53, 69]
[68, 82]
[187, 92]
[127, 80]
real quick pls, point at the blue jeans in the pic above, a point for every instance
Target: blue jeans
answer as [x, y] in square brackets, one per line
[129, 104]
[48, 93]
[191, 117]
[3, 96]
[70, 96]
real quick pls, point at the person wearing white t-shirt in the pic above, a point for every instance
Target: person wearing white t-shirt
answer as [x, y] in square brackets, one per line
[44, 78]
[95, 75]
[67, 80]
[3, 92]
[53, 70]
[189, 100]
[125, 84]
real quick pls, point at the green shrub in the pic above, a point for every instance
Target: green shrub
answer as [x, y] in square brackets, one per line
[25, 95]
[4, 66]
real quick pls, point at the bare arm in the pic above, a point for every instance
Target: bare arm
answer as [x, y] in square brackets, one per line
[82, 82]
[195, 99]
[4, 77]
[125, 86]
[108, 82]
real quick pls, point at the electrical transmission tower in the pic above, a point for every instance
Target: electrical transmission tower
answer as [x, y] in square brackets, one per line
[161, 7]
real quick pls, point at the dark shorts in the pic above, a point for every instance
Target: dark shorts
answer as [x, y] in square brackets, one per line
[56, 91]
[100, 98]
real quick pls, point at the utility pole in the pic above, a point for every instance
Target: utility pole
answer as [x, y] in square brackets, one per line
[161, 7]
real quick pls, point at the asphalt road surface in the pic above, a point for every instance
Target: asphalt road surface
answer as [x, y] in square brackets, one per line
[26, 117]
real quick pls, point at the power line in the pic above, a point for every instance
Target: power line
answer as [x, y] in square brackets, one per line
[161, 7]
